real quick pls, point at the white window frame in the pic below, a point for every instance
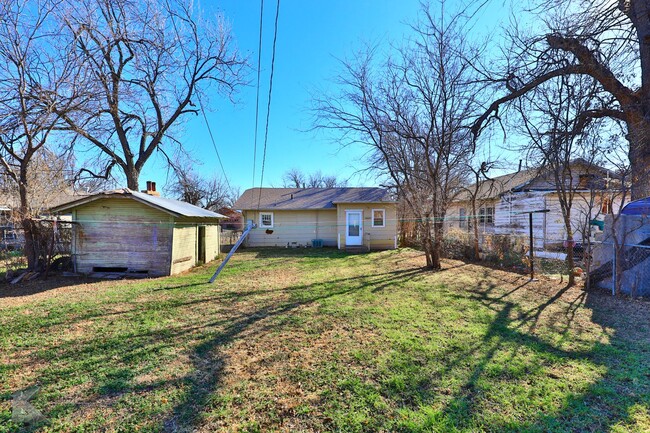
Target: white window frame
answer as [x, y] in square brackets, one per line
[264, 226]
[484, 216]
[462, 218]
[383, 219]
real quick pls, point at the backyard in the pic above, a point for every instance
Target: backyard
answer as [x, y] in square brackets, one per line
[318, 340]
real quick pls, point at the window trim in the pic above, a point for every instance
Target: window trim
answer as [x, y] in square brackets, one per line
[462, 218]
[262, 225]
[484, 215]
[383, 218]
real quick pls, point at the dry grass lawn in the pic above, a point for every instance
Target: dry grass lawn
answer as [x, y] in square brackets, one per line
[317, 340]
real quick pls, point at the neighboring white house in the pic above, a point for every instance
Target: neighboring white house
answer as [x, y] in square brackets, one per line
[336, 217]
[502, 203]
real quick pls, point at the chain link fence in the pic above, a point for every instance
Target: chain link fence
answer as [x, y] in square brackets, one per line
[513, 251]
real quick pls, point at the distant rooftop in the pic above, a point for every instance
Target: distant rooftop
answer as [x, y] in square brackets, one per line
[308, 198]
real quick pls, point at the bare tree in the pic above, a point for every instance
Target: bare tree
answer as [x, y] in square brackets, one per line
[550, 119]
[477, 192]
[150, 64]
[604, 41]
[319, 180]
[34, 69]
[212, 194]
[294, 178]
[412, 111]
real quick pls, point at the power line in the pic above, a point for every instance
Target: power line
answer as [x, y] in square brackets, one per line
[257, 96]
[268, 106]
[198, 97]
[214, 143]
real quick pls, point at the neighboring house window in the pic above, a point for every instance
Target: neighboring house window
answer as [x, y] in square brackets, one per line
[462, 214]
[486, 215]
[606, 206]
[378, 218]
[266, 219]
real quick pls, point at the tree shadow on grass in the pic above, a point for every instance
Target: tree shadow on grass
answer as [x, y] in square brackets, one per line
[133, 344]
[208, 362]
[620, 364]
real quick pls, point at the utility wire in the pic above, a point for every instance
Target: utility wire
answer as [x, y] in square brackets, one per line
[257, 96]
[198, 97]
[268, 106]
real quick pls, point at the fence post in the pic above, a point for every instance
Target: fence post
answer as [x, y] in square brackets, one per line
[614, 277]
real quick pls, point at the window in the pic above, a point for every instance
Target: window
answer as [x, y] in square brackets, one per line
[462, 215]
[378, 218]
[266, 219]
[486, 215]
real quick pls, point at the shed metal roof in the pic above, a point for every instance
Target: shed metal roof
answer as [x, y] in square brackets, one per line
[308, 198]
[175, 207]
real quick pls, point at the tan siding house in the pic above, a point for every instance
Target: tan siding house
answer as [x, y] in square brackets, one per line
[137, 233]
[362, 218]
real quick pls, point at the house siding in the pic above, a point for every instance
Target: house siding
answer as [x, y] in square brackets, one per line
[376, 238]
[509, 219]
[122, 233]
[294, 226]
[212, 242]
[452, 217]
[184, 250]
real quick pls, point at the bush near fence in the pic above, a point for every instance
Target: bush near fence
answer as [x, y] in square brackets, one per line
[507, 251]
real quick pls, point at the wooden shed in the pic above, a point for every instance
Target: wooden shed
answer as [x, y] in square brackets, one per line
[140, 233]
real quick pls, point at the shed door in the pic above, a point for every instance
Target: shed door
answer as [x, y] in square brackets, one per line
[353, 227]
[201, 244]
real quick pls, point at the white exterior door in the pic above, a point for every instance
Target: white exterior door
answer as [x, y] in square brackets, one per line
[353, 227]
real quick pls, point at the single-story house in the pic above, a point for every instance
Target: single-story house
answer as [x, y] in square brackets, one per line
[502, 203]
[364, 218]
[140, 233]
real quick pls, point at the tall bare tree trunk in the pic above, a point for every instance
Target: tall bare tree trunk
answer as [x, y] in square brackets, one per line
[132, 177]
[639, 155]
[474, 222]
[438, 231]
[26, 221]
[570, 257]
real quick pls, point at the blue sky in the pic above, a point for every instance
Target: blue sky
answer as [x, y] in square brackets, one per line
[312, 36]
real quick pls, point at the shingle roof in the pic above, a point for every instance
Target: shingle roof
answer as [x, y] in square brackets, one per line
[494, 187]
[175, 207]
[308, 198]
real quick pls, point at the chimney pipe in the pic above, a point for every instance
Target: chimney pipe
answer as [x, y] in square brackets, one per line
[151, 189]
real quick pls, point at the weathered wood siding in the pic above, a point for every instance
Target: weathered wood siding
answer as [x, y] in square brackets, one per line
[380, 238]
[452, 217]
[509, 219]
[122, 233]
[549, 229]
[185, 251]
[212, 242]
[289, 226]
